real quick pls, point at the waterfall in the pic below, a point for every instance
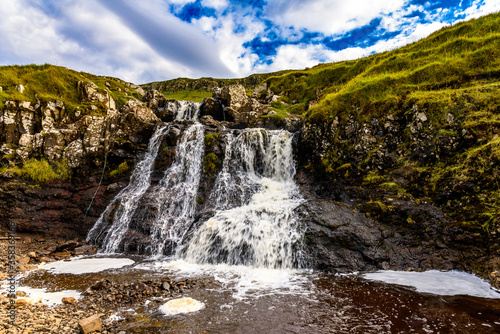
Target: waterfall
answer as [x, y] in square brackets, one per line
[188, 111]
[121, 210]
[255, 198]
[175, 199]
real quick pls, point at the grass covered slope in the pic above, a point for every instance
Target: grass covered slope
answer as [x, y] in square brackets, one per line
[452, 57]
[49, 82]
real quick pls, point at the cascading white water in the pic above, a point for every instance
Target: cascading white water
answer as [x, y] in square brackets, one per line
[176, 196]
[174, 201]
[123, 206]
[188, 111]
[255, 197]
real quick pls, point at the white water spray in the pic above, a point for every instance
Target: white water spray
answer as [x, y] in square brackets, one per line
[188, 111]
[175, 199]
[120, 211]
[255, 197]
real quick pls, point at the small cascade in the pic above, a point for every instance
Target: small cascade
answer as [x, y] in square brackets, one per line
[255, 198]
[121, 210]
[188, 111]
[175, 198]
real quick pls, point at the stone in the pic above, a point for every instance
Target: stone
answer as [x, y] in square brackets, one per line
[235, 95]
[68, 246]
[20, 88]
[85, 249]
[90, 324]
[209, 121]
[212, 107]
[260, 92]
[21, 294]
[68, 300]
[74, 153]
[20, 302]
[32, 254]
[24, 260]
[165, 286]
[89, 92]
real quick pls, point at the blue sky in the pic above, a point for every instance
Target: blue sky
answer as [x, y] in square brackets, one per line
[152, 40]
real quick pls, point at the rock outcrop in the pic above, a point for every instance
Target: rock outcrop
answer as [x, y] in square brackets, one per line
[72, 141]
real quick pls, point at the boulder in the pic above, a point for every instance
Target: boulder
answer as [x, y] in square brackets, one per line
[20, 88]
[233, 96]
[68, 300]
[68, 246]
[90, 324]
[214, 108]
[137, 118]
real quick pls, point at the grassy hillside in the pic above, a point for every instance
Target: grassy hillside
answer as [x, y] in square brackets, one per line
[461, 56]
[197, 89]
[49, 82]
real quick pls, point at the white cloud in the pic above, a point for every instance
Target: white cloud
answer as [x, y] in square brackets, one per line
[86, 36]
[477, 9]
[329, 17]
[216, 4]
[142, 41]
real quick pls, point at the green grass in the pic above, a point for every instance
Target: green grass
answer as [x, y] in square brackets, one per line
[188, 95]
[40, 171]
[122, 168]
[451, 58]
[49, 82]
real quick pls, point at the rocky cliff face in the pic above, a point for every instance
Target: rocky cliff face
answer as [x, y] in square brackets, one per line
[77, 143]
[402, 207]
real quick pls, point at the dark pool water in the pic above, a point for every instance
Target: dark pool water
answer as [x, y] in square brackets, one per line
[260, 301]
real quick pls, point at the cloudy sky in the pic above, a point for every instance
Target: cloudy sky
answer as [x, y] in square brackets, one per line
[151, 40]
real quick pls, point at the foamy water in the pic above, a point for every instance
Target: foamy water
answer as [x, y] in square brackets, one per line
[243, 281]
[78, 266]
[181, 305]
[35, 296]
[437, 282]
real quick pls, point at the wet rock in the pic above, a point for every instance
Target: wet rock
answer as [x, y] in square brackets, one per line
[68, 300]
[20, 302]
[99, 285]
[90, 324]
[67, 246]
[214, 108]
[85, 249]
